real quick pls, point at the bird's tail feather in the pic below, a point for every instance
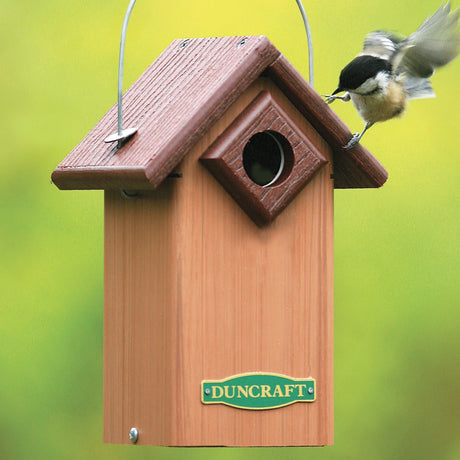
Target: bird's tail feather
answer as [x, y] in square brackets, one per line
[418, 88]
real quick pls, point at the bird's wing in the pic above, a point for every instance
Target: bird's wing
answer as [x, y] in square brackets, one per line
[381, 44]
[434, 44]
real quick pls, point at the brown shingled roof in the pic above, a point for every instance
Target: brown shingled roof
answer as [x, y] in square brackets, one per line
[180, 96]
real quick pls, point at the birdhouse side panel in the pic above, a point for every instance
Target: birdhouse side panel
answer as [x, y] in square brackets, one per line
[140, 317]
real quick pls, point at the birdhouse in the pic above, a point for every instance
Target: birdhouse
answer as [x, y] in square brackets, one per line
[218, 284]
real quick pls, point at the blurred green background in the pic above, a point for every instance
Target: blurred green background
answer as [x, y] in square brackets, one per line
[397, 294]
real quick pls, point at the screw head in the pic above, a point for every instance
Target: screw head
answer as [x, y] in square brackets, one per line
[207, 391]
[311, 390]
[184, 44]
[133, 435]
[242, 43]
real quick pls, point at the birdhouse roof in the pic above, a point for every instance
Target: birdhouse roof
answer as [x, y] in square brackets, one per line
[181, 95]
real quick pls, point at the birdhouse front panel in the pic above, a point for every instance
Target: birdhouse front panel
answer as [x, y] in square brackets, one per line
[196, 292]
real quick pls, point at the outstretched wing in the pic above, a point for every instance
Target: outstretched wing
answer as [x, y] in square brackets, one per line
[434, 44]
[381, 44]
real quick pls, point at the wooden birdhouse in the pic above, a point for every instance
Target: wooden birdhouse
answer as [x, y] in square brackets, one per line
[218, 286]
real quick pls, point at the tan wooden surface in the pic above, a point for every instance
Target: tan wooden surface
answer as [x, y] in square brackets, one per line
[195, 290]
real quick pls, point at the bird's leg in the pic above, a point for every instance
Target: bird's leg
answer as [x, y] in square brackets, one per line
[357, 136]
[330, 99]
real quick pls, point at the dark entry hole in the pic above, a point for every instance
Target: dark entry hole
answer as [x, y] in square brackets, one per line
[268, 158]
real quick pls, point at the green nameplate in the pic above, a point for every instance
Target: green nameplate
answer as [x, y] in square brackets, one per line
[257, 391]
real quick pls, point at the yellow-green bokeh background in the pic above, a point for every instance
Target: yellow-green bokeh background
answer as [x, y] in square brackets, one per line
[397, 280]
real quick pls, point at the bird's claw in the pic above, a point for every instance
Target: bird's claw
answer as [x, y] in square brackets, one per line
[330, 99]
[353, 141]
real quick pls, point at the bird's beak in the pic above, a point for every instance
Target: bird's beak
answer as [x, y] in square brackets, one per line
[338, 90]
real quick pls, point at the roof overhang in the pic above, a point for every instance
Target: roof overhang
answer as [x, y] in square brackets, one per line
[181, 95]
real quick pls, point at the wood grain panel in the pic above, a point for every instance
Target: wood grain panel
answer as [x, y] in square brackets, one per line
[139, 314]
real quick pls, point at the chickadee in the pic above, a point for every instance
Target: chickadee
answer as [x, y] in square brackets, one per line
[391, 70]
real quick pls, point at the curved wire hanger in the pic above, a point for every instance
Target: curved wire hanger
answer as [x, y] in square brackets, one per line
[309, 39]
[123, 134]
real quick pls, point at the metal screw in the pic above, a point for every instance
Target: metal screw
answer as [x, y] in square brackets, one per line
[133, 435]
[184, 44]
[207, 391]
[311, 390]
[242, 43]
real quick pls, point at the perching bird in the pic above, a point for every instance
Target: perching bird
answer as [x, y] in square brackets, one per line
[391, 70]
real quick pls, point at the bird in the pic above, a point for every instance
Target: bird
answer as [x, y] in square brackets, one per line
[392, 70]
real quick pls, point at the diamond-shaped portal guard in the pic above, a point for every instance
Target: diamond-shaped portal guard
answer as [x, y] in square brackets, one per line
[263, 159]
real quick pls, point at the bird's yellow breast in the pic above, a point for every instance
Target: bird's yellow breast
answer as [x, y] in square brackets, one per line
[389, 103]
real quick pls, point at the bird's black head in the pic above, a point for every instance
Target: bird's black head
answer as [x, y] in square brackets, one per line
[359, 70]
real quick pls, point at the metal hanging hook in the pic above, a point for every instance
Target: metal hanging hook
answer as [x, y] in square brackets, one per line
[122, 134]
[310, 41]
